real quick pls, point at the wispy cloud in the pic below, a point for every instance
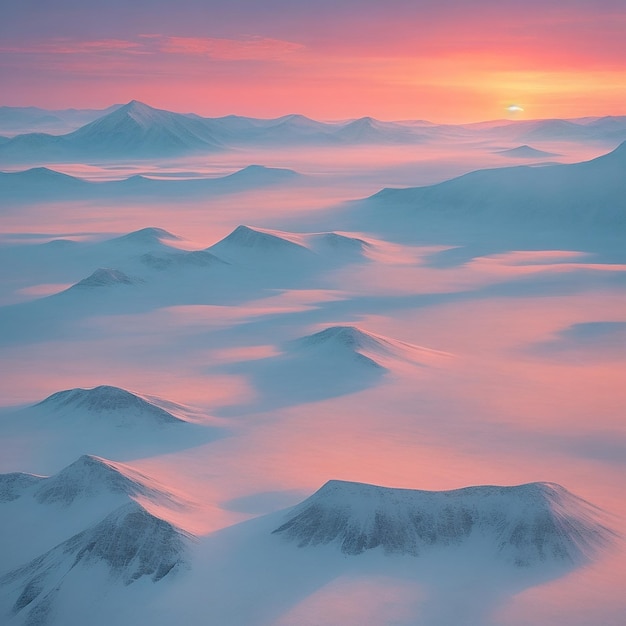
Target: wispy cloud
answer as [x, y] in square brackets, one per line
[245, 49]
[71, 46]
[251, 48]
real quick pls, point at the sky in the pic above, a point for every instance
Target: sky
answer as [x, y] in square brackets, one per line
[440, 60]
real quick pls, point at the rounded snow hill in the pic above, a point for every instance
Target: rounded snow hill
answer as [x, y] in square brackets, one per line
[526, 525]
[364, 346]
[146, 236]
[111, 404]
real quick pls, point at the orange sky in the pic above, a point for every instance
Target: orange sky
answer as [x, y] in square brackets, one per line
[452, 61]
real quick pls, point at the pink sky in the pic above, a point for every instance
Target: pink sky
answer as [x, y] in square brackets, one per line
[447, 62]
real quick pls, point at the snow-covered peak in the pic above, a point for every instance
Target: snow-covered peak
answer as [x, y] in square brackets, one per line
[365, 346]
[261, 246]
[526, 152]
[147, 236]
[249, 237]
[106, 400]
[524, 525]
[91, 476]
[104, 277]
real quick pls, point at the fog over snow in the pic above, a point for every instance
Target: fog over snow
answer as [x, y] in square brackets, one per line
[288, 371]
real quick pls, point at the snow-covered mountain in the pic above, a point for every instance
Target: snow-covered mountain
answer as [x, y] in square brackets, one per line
[360, 346]
[526, 152]
[104, 277]
[527, 525]
[336, 361]
[247, 244]
[89, 477]
[14, 484]
[106, 404]
[127, 545]
[583, 200]
[134, 130]
[16, 120]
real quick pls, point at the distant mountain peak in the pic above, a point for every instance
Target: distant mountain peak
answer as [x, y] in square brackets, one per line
[524, 525]
[104, 277]
[260, 239]
[348, 336]
[526, 152]
[148, 235]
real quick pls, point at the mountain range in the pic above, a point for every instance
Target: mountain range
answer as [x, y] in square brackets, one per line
[138, 131]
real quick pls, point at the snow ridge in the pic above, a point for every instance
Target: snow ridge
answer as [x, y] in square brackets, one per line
[524, 525]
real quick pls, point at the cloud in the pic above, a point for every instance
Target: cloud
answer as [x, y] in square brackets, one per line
[69, 46]
[251, 48]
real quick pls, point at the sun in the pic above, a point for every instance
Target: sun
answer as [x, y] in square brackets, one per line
[514, 108]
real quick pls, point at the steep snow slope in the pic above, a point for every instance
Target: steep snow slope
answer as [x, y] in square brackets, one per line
[127, 545]
[91, 476]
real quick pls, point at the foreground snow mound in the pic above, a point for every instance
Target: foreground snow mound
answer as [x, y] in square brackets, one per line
[127, 545]
[92, 476]
[110, 403]
[525, 525]
[13, 485]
